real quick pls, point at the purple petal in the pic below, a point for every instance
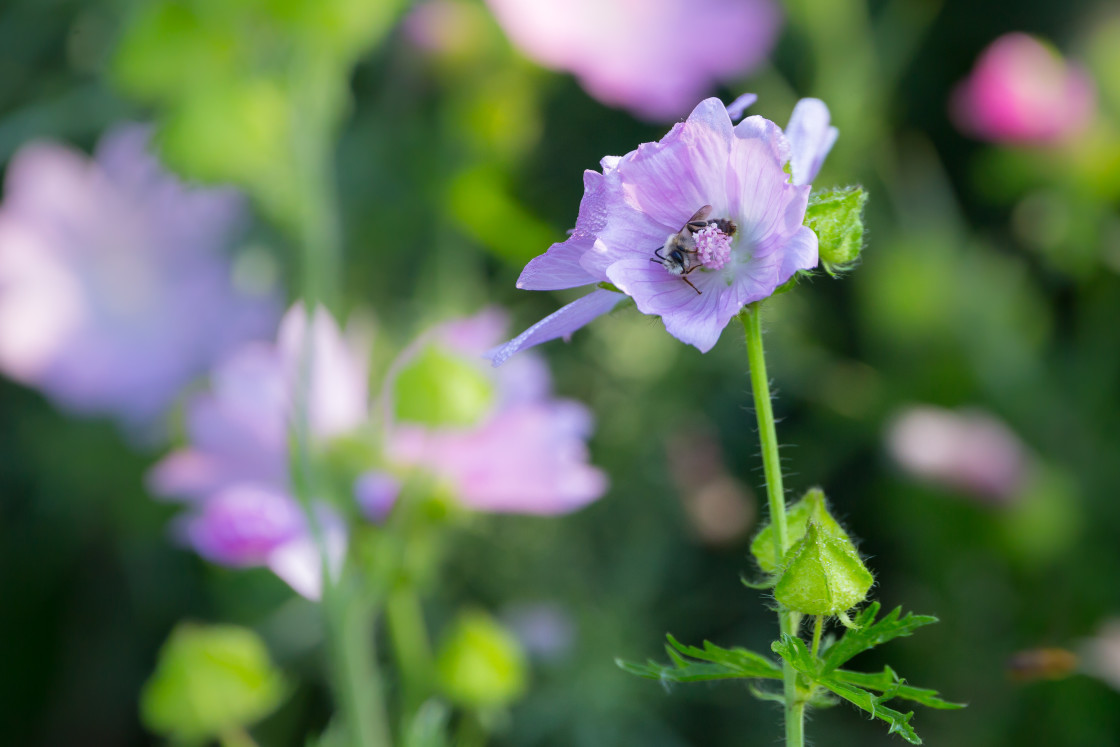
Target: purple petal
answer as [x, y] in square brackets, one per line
[760, 128]
[737, 108]
[767, 207]
[561, 323]
[337, 386]
[810, 137]
[242, 524]
[300, 562]
[800, 253]
[695, 319]
[560, 266]
[670, 179]
[530, 458]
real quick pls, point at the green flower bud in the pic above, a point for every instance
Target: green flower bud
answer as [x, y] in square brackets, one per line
[438, 388]
[480, 664]
[811, 507]
[823, 574]
[836, 217]
[209, 680]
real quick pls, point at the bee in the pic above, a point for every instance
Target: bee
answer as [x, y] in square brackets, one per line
[679, 254]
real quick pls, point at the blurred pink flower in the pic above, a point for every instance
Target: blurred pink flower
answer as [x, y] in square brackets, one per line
[528, 453]
[235, 470]
[115, 287]
[445, 27]
[1022, 92]
[967, 451]
[656, 58]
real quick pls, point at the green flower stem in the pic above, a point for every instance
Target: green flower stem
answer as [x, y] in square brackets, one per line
[411, 647]
[353, 667]
[788, 621]
[818, 624]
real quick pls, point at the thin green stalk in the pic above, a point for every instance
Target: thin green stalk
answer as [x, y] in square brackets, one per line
[788, 621]
[411, 647]
[818, 625]
[353, 665]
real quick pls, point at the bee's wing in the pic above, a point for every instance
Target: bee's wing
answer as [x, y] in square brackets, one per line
[699, 219]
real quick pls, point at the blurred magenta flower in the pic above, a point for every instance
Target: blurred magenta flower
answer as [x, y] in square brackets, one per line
[524, 452]
[652, 57]
[967, 451]
[235, 471]
[115, 286]
[1022, 92]
[752, 240]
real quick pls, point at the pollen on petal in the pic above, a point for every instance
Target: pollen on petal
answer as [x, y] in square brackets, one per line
[714, 246]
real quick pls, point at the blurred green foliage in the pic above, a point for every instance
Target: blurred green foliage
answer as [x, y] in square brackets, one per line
[210, 682]
[480, 664]
[990, 278]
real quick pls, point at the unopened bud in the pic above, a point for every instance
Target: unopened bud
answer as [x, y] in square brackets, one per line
[823, 574]
[811, 507]
[836, 217]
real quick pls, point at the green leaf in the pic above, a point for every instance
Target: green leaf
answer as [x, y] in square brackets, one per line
[794, 651]
[210, 679]
[888, 681]
[899, 722]
[836, 216]
[867, 634]
[714, 663]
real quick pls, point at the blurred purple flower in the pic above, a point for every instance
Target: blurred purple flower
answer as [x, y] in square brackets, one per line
[651, 193]
[527, 454]
[236, 469]
[115, 289]
[545, 629]
[653, 57]
[1022, 92]
[967, 451]
[376, 494]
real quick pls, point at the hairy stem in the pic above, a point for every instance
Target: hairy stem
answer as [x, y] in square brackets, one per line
[788, 621]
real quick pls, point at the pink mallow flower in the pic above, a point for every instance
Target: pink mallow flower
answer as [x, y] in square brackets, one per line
[525, 452]
[115, 286]
[235, 470]
[652, 57]
[966, 451]
[747, 184]
[1022, 92]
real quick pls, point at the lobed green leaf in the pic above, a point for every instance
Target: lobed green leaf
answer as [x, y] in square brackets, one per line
[866, 634]
[889, 683]
[711, 662]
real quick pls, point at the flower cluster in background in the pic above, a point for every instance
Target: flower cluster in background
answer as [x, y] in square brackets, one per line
[497, 441]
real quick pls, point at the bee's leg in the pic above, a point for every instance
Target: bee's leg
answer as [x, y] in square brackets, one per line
[690, 285]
